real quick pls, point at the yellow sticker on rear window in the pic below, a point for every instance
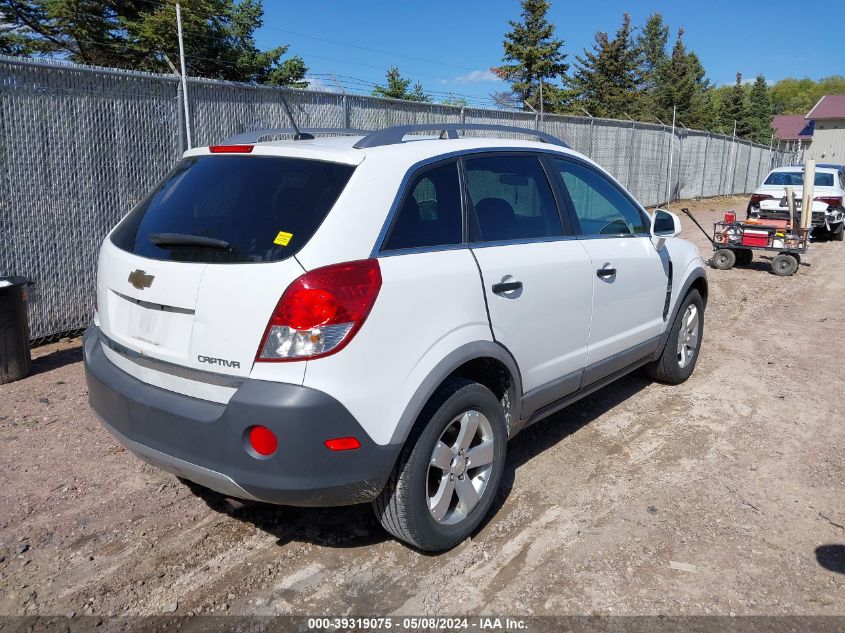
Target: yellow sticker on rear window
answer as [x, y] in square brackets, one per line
[283, 238]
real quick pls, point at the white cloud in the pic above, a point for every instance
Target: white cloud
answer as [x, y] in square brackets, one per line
[476, 76]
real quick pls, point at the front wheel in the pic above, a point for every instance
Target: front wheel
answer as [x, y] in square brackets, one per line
[449, 471]
[680, 354]
[838, 234]
[724, 259]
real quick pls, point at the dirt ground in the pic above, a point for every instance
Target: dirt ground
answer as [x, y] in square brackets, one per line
[725, 495]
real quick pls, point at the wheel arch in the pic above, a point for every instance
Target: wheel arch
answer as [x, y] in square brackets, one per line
[485, 362]
[695, 280]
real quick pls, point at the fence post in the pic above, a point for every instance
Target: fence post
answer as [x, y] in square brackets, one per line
[631, 172]
[735, 147]
[660, 170]
[180, 118]
[747, 168]
[590, 153]
[346, 120]
[704, 166]
[463, 115]
[681, 136]
[771, 140]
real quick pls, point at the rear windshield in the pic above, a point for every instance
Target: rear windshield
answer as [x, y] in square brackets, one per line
[796, 178]
[254, 209]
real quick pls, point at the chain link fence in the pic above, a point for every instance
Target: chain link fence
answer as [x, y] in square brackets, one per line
[82, 145]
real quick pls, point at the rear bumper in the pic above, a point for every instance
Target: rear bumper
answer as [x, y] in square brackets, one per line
[204, 441]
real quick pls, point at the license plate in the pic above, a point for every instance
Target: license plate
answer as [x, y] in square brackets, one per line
[784, 205]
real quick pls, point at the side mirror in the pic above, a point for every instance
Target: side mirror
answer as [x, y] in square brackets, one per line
[664, 224]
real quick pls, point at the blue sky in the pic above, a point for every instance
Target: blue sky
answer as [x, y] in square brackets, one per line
[449, 46]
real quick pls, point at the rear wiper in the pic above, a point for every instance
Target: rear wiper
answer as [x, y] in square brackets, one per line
[182, 239]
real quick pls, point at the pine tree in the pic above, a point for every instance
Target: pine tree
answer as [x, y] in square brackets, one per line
[397, 88]
[758, 115]
[605, 79]
[681, 83]
[141, 35]
[533, 54]
[732, 110]
[651, 46]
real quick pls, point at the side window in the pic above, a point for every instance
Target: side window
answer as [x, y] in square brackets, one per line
[430, 214]
[512, 198]
[600, 205]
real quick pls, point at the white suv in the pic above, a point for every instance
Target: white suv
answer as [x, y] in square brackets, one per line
[370, 318]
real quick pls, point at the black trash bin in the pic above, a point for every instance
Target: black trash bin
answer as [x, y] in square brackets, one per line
[15, 359]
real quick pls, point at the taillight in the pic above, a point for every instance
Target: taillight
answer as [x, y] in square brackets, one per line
[230, 149]
[831, 201]
[757, 197]
[321, 311]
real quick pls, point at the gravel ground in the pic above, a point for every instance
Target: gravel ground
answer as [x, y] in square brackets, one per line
[723, 495]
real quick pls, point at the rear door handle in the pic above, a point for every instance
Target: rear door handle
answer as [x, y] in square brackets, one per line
[506, 286]
[605, 272]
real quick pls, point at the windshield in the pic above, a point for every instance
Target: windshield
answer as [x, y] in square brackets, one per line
[233, 209]
[796, 178]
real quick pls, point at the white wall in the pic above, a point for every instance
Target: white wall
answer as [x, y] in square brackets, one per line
[828, 145]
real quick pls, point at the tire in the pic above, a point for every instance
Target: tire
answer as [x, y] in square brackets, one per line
[744, 256]
[671, 368]
[838, 234]
[784, 265]
[404, 508]
[724, 259]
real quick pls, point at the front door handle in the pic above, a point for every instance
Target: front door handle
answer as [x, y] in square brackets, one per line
[506, 286]
[605, 272]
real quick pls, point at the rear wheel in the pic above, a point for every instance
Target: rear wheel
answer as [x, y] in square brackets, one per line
[724, 259]
[838, 234]
[784, 265]
[680, 354]
[449, 471]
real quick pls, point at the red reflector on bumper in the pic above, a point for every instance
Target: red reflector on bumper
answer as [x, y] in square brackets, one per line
[262, 440]
[343, 444]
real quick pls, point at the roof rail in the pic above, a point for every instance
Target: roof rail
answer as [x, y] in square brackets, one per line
[303, 134]
[397, 133]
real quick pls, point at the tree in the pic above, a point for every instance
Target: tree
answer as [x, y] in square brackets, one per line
[680, 82]
[397, 88]
[651, 46]
[605, 79]
[732, 108]
[798, 96]
[758, 114]
[533, 55]
[141, 35]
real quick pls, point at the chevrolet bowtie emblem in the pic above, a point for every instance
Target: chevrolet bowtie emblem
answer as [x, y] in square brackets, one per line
[140, 279]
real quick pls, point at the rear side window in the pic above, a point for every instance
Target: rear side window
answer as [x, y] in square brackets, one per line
[253, 209]
[796, 179]
[512, 198]
[430, 214]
